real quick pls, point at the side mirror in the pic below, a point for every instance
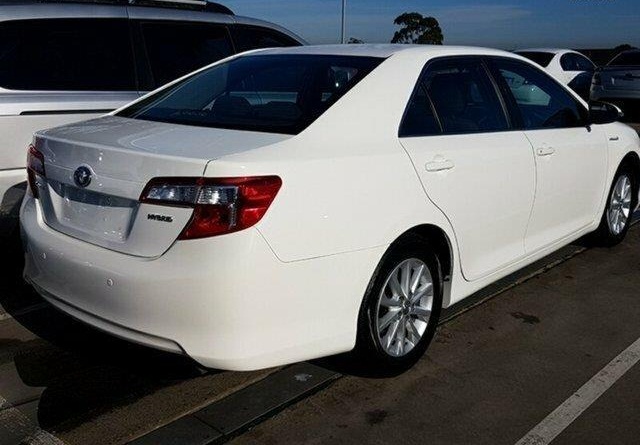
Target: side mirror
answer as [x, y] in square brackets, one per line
[604, 113]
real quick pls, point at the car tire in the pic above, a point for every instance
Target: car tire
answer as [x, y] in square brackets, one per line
[413, 309]
[616, 219]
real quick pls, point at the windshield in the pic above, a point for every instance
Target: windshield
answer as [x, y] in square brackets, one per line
[629, 58]
[542, 59]
[269, 93]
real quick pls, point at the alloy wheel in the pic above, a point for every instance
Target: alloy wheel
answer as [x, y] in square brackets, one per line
[404, 307]
[619, 205]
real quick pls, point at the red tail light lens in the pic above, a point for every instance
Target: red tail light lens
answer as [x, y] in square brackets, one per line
[221, 205]
[35, 168]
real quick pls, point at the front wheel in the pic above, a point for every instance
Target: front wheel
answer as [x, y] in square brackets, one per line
[401, 307]
[621, 203]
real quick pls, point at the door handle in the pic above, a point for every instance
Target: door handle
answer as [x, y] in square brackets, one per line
[439, 165]
[545, 151]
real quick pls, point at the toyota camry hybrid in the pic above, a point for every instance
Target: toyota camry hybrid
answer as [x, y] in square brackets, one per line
[287, 204]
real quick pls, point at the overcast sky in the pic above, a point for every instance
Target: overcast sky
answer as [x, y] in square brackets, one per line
[495, 23]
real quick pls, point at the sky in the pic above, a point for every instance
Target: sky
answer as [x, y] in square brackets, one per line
[506, 24]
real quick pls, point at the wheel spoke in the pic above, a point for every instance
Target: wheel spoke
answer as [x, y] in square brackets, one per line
[405, 277]
[390, 302]
[415, 280]
[387, 319]
[400, 337]
[394, 284]
[413, 331]
[425, 290]
[391, 335]
[421, 313]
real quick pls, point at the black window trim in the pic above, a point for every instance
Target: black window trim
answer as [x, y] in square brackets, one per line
[510, 99]
[419, 83]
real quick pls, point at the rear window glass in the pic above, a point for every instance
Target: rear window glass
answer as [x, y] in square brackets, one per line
[270, 93]
[630, 58]
[541, 58]
[66, 54]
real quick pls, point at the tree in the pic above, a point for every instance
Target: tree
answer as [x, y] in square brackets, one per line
[354, 40]
[417, 29]
[623, 47]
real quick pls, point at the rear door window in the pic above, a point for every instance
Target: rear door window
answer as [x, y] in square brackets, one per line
[66, 55]
[177, 48]
[464, 98]
[253, 37]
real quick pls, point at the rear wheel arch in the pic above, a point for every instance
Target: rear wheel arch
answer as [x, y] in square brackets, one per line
[632, 160]
[443, 248]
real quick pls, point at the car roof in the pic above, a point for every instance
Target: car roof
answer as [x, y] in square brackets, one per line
[32, 10]
[545, 50]
[385, 50]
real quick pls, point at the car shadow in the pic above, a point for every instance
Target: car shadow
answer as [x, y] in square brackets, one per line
[82, 371]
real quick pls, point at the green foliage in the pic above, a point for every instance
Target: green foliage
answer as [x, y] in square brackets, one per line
[417, 29]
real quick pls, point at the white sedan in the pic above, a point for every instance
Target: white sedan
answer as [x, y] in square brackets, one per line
[568, 66]
[288, 204]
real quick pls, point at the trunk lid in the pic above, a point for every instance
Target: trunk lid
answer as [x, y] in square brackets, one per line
[621, 78]
[121, 155]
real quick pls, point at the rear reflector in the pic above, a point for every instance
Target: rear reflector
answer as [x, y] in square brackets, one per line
[35, 168]
[221, 205]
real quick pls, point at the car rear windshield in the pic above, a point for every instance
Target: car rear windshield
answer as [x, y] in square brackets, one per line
[268, 93]
[542, 59]
[630, 58]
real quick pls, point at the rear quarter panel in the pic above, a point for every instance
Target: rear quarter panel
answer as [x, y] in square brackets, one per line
[347, 182]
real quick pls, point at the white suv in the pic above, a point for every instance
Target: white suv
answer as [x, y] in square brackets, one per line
[61, 63]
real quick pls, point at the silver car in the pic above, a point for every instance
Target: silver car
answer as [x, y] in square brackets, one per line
[64, 62]
[619, 82]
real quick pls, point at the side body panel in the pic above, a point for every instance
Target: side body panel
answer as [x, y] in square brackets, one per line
[487, 195]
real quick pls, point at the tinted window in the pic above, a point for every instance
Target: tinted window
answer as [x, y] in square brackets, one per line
[176, 49]
[568, 62]
[419, 120]
[278, 94]
[541, 101]
[543, 59]
[575, 62]
[250, 37]
[628, 58]
[584, 64]
[74, 54]
[463, 97]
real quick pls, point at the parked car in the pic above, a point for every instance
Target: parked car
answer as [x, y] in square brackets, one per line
[568, 66]
[619, 82]
[61, 63]
[293, 203]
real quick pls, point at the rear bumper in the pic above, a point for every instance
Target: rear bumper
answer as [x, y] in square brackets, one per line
[227, 301]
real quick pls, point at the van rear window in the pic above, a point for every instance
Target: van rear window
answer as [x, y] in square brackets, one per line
[269, 93]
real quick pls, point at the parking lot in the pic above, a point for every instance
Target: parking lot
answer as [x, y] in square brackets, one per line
[500, 365]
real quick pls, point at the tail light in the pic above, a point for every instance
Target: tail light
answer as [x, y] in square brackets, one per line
[35, 168]
[222, 205]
